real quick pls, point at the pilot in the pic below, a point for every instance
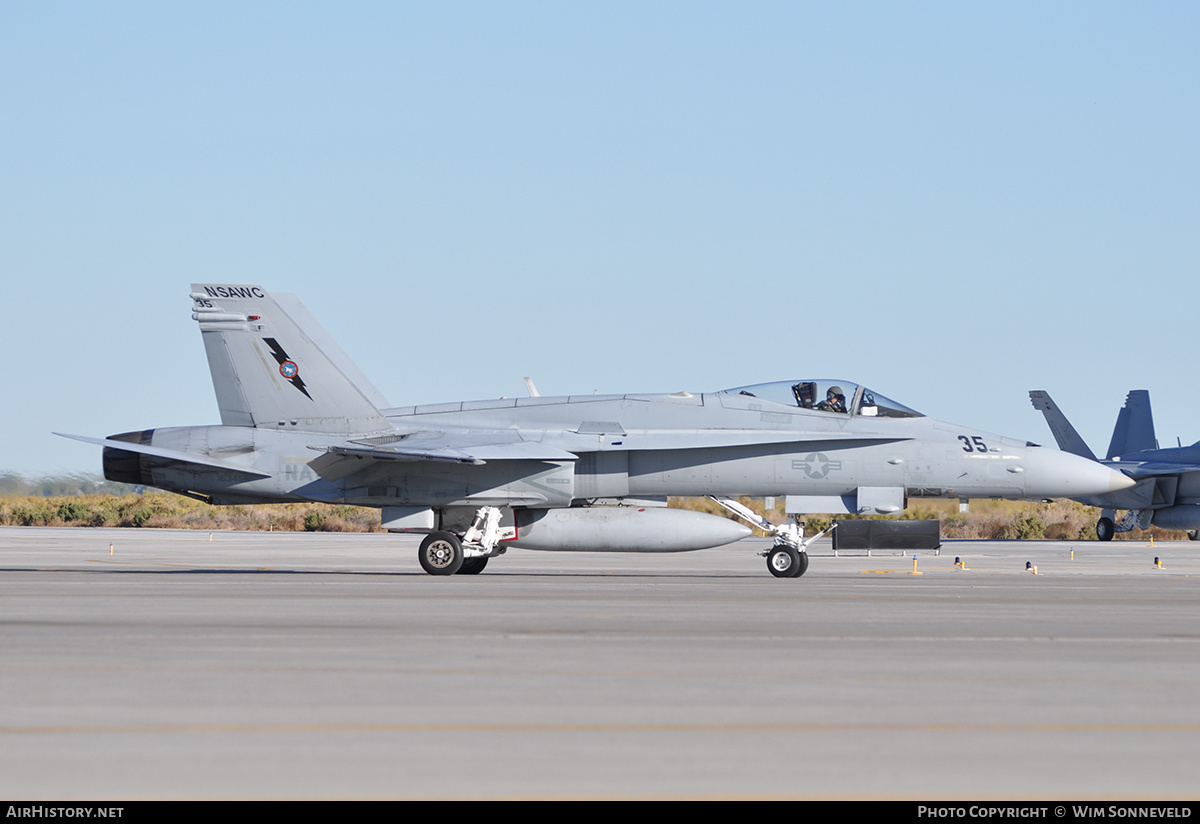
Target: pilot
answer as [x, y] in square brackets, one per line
[835, 400]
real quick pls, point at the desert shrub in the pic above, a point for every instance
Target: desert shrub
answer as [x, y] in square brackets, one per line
[816, 523]
[1028, 526]
[162, 521]
[287, 521]
[71, 510]
[1061, 531]
[25, 515]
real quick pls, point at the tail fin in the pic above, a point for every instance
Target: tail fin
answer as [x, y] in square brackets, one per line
[1134, 431]
[269, 373]
[1066, 436]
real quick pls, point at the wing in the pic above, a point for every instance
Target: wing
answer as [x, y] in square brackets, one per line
[1135, 469]
[463, 447]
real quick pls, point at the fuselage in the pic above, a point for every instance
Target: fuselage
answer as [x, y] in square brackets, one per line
[723, 443]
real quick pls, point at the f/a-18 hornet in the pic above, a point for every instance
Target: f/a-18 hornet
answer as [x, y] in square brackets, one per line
[1167, 481]
[299, 422]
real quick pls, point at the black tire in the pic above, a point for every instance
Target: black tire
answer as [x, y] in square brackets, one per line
[1193, 534]
[801, 566]
[1104, 529]
[783, 561]
[473, 566]
[441, 554]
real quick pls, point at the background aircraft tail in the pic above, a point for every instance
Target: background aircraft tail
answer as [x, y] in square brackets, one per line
[1066, 436]
[269, 371]
[1134, 431]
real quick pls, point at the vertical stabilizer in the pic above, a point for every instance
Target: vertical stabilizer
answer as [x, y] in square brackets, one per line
[1064, 434]
[269, 373]
[1134, 431]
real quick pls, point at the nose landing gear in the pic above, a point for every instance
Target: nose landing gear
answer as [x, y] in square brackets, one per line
[788, 557]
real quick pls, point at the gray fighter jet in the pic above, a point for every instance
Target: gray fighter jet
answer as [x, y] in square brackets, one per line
[1166, 492]
[300, 423]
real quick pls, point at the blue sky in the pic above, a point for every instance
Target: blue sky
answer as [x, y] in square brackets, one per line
[952, 203]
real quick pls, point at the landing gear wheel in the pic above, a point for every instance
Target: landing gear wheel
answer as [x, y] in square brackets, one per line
[441, 554]
[473, 566]
[1193, 534]
[783, 561]
[1104, 529]
[801, 567]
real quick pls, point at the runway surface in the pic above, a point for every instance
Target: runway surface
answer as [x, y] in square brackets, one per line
[258, 665]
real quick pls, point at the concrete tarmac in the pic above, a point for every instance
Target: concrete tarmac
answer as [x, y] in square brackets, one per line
[329, 666]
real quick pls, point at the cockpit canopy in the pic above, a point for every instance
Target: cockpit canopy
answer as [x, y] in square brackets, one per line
[833, 396]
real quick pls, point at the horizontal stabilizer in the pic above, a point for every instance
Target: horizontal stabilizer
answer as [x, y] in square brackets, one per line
[167, 454]
[1064, 434]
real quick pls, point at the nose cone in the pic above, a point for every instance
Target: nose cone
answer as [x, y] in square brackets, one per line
[1053, 474]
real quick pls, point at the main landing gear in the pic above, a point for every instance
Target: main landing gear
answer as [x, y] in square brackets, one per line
[473, 566]
[1107, 527]
[444, 553]
[441, 553]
